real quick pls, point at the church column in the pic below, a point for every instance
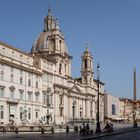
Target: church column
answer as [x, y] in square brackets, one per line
[88, 108]
[78, 108]
[56, 43]
[55, 106]
[85, 108]
[65, 107]
[68, 108]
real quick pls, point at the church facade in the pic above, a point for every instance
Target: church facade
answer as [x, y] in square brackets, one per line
[37, 87]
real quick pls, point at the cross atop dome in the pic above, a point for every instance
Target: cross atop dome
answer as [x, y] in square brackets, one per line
[49, 11]
[87, 49]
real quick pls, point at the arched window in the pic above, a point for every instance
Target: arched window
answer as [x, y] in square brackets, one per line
[60, 45]
[21, 80]
[29, 82]
[2, 75]
[61, 100]
[49, 97]
[65, 68]
[85, 63]
[60, 68]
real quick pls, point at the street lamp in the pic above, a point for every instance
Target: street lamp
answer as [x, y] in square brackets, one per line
[98, 129]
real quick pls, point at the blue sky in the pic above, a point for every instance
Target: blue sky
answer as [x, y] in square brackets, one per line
[110, 27]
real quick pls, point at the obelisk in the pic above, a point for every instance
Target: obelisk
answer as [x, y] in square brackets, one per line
[134, 84]
[134, 102]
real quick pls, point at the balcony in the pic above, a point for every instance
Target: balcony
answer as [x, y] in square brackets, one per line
[47, 105]
[12, 101]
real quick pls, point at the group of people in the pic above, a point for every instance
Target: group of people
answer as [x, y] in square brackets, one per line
[85, 130]
[108, 127]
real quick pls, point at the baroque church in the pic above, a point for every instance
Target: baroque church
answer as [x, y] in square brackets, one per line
[37, 87]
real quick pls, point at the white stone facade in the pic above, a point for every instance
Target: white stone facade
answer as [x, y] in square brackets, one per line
[112, 107]
[37, 87]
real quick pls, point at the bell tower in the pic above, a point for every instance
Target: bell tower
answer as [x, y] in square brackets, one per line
[87, 67]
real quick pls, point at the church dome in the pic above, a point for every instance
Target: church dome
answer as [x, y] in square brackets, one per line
[51, 39]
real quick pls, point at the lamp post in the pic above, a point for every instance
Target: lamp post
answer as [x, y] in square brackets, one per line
[98, 129]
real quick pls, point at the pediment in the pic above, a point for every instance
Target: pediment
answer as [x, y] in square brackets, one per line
[75, 89]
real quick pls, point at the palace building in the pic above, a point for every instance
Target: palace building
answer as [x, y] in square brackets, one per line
[37, 87]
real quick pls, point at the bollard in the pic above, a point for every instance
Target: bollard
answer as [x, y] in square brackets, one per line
[4, 129]
[42, 130]
[16, 130]
[52, 130]
[67, 129]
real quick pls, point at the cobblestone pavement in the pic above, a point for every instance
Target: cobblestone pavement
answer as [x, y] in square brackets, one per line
[118, 129]
[131, 135]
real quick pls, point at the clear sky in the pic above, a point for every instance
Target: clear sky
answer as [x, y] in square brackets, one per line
[110, 27]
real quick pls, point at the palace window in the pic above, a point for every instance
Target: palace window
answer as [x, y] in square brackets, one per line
[12, 77]
[29, 96]
[21, 80]
[36, 96]
[1, 67]
[11, 94]
[113, 109]
[29, 113]
[44, 97]
[36, 114]
[1, 112]
[12, 70]
[47, 97]
[29, 82]
[21, 95]
[29, 74]
[21, 112]
[1, 91]
[21, 72]
[2, 75]
[36, 84]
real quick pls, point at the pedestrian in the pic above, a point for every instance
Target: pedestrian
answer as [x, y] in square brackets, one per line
[84, 129]
[67, 129]
[81, 130]
[87, 129]
[106, 128]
